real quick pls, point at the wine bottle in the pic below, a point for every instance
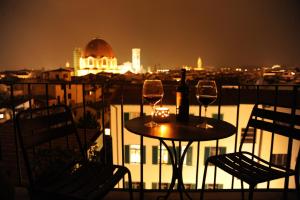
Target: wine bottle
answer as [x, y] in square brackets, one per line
[182, 99]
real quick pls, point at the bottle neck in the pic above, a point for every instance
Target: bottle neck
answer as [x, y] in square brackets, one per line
[183, 77]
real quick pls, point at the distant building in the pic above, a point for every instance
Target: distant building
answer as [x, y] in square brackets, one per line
[76, 59]
[97, 56]
[59, 74]
[199, 64]
[136, 60]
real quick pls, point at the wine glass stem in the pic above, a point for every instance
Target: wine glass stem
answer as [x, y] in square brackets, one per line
[152, 113]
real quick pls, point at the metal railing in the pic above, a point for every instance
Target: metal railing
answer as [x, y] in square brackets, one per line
[118, 94]
[243, 94]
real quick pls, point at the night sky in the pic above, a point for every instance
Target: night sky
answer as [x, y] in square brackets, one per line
[171, 33]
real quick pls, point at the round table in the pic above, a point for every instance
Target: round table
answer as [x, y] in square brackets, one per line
[180, 131]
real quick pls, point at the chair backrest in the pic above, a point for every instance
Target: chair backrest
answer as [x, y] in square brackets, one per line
[49, 140]
[274, 120]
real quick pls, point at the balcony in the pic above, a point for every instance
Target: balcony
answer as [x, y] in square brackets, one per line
[112, 104]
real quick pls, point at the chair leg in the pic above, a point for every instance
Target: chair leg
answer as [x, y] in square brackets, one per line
[251, 190]
[203, 181]
[242, 190]
[130, 185]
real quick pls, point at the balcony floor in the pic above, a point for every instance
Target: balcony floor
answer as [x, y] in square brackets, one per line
[210, 195]
[22, 194]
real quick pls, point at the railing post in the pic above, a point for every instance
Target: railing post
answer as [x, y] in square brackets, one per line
[142, 153]
[237, 126]
[15, 134]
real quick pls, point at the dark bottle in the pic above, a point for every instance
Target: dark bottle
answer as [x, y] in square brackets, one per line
[182, 99]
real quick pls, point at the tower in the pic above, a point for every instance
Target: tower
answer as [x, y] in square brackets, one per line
[199, 63]
[76, 59]
[136, 62]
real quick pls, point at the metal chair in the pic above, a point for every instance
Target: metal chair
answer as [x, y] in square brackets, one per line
[249, 167]
[56, 163]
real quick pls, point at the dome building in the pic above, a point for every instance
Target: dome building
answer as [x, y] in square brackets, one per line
[97, 56]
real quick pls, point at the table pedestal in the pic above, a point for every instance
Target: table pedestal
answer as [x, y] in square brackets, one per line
[177, 163]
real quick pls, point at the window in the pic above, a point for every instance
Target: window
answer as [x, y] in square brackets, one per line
[188, 156]
[211, 151]
[211, 186]
[58, 99]
[91, 62]
[249, 136]
[166, 158]
[279, 159]
[156, 155]
[187, 186]
[69, 96]
[91, 92]
[133, 153]
[56, 76]
[164, 186]
[215, 116]
[104, 62]
[135, 185]
[1, 116]
[62, 87]
[126, 116]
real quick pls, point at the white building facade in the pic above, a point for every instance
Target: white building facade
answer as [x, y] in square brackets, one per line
[208, 148]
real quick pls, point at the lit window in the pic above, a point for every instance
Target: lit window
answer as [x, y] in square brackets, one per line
[107, 131]
[133, 153]
[90, 62]
[165, 155]
[1, 116]
[104, 62]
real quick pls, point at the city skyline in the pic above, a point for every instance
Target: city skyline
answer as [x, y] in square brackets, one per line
[37, 34]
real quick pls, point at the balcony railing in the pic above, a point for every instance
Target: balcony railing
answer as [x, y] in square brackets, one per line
[113, 105]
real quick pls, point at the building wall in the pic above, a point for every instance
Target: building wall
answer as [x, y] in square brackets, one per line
[96, 65]
[73, 93]
[151, 172]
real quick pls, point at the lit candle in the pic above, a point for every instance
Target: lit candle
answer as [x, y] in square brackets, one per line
[161, 114]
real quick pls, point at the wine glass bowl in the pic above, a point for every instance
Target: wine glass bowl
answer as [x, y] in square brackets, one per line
[152, 93]
[206, 93]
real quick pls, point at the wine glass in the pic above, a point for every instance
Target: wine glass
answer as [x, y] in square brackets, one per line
[153, 92]
[206, 93]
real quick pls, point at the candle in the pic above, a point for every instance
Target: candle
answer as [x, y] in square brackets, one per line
[161, 114]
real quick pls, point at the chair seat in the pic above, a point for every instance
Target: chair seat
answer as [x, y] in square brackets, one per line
[240, 165]
[91, 180]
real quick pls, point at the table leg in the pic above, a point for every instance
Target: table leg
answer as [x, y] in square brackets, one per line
[177, 165]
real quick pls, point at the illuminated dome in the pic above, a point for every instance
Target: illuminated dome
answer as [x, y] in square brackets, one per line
[98, 48]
